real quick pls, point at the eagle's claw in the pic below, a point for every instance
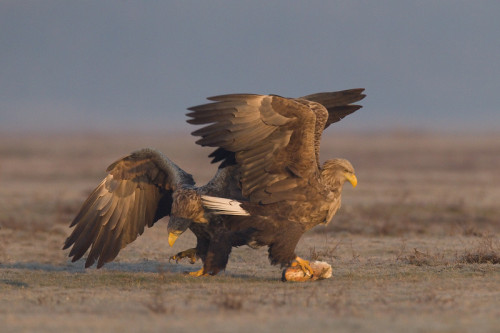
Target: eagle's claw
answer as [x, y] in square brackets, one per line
[304, 265]
[190, 253]
[200, 272]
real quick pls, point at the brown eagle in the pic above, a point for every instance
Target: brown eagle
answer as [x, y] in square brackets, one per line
[275, 143]
[269, 175]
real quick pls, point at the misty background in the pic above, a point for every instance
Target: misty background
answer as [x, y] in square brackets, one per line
[118, 65]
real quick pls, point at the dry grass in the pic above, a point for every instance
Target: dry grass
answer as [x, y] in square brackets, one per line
[403, 218]
[415, 246]
[419, 258]
[328, 254]
[487, 251]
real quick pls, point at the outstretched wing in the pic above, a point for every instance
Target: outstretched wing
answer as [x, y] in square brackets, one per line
[338, 103]
[136, 193]
[272, 138]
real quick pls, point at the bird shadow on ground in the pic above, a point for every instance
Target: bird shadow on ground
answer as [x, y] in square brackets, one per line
[253, 278]
[147, 266]
[37, 266]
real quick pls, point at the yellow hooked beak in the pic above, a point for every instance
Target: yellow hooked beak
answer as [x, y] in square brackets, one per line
[351, 178]
[172, 237]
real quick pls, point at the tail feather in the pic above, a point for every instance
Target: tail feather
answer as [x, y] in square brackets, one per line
[223, 206]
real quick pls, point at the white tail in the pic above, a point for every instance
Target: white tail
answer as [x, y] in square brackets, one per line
[223, 206]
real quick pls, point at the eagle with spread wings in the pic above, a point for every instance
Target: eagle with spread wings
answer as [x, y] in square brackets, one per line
[269, 188]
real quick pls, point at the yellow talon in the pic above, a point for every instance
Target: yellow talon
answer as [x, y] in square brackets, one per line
[197, 273]
[304, 265]
[190, 253]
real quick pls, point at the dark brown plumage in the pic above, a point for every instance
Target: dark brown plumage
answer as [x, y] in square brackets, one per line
[275, 143]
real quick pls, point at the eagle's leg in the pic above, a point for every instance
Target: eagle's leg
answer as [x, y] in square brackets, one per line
[200, 272]
[217, 255]
[304, 265]
[190, 253]
[282, 250]
[220, 247]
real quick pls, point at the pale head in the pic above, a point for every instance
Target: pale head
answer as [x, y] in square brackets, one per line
[336, 171]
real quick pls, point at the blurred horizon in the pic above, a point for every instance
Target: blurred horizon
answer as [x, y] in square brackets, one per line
[127, 66]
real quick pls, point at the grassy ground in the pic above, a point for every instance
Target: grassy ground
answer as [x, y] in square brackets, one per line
[415, 246]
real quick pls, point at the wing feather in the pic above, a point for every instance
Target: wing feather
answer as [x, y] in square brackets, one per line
[338, 103]
[265, 132]
[126, 201]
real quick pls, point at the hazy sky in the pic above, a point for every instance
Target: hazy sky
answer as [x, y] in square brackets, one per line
[68, 65]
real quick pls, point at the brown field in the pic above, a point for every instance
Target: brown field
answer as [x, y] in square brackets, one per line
[415, 247]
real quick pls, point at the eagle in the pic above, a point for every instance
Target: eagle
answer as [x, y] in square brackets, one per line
[275, 143]
[140, 189]
[268, 190]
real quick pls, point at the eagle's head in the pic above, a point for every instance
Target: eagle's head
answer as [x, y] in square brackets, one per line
[336, 171]
[176, 227]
